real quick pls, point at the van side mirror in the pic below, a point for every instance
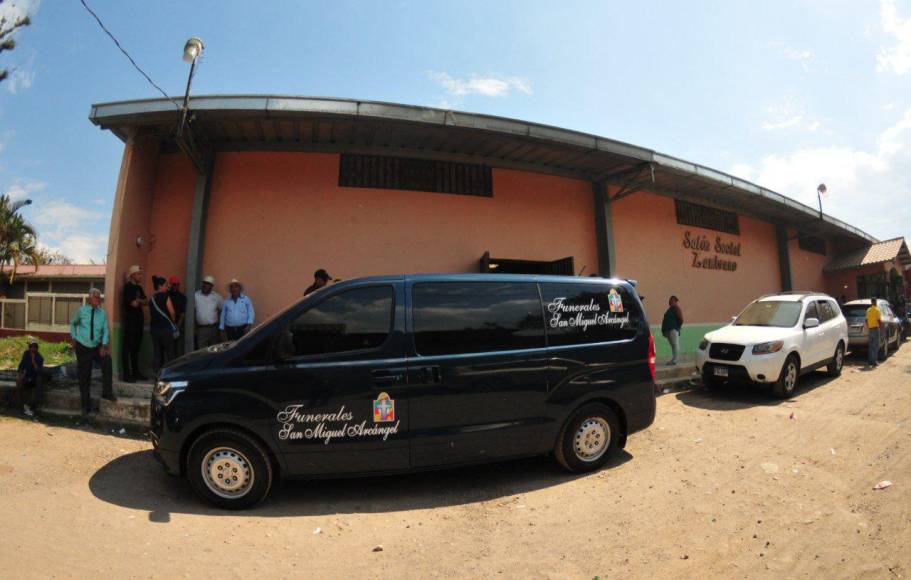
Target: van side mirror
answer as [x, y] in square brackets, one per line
[811, 323]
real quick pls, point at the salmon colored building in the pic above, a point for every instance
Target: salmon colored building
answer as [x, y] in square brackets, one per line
[268, 189]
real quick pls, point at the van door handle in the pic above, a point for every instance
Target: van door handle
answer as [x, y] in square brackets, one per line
[430, 375]
[388, 377]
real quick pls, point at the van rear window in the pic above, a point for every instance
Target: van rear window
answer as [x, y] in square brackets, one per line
[587, 313]
[458, 318]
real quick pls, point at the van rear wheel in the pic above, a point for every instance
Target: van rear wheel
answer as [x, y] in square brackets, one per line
[229, 469]
[589, 438]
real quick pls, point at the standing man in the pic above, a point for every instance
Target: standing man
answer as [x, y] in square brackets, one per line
[89, 330]
[236, 312]
[134, 299]
[320, 279]
[29, 378]
[208, 310]
[874, 317]
[179, 302]
[671, 327]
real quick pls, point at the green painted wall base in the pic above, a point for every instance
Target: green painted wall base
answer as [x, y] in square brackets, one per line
[145, 352]
[689, 339]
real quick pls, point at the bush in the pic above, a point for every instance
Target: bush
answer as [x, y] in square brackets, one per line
[54, 353]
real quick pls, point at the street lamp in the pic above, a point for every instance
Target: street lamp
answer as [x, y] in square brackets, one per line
[191, 51]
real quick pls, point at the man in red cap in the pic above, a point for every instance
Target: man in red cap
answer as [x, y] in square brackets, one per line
[179, 300]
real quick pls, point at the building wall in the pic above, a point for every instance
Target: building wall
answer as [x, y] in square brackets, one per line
[806, 267]
[169, 221]
[844, 282]
[650, 249]
[275, 217]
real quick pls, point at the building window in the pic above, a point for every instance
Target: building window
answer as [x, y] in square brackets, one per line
[14, 291]
[375, 171]
[812, 244]
[65, 309]
[68, 287]
[700, 216]
[40, 310]
[14, 315]
[39, 286]
[870, 285]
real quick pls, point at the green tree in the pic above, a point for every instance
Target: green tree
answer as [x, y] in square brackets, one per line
[44, 256]
[18, 241]
[9, 25]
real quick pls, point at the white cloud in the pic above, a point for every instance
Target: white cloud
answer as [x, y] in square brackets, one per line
[488, 86]
[867, 188]
[67, 228]
[803, 56]
[786, 123]
[895, 58]
[22, 188]
[19, 79]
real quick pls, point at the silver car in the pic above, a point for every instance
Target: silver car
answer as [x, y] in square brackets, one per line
[855, 312]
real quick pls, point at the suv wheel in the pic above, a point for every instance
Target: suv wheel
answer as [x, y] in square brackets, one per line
[589, 438]
[229, 469]
[838, 361]
[787, 379]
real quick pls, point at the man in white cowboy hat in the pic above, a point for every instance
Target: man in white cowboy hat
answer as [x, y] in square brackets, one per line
[236, 312]
[208, 310]
[133, 301]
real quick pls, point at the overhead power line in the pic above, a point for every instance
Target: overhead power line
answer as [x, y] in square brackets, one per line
[126, 54]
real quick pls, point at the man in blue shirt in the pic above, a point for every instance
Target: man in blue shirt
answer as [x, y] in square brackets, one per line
[89, 330]
[29, 378]
[236, 312]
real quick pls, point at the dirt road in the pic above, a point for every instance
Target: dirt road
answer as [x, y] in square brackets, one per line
[722, 485]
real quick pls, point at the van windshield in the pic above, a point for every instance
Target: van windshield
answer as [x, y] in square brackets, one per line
[770, 313]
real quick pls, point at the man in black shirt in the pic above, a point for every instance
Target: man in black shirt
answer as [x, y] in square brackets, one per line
[179, 301]
[320, 279]
[134, 299]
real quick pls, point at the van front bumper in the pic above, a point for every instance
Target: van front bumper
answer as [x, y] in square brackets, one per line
[170, 460]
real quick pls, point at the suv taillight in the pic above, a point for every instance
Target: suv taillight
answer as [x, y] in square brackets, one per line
[651, 355]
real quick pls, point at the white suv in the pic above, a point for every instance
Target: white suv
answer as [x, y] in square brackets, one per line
[774, 340]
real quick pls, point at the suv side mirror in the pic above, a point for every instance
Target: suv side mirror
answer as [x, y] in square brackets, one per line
[811, 323]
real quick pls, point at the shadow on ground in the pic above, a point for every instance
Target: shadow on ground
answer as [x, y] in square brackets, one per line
[736, 396]
[136, 481]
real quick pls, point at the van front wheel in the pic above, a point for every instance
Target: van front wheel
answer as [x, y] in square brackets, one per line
[589, 438]
[229, 468]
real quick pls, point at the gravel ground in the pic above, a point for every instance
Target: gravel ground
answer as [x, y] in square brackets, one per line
[725, 485]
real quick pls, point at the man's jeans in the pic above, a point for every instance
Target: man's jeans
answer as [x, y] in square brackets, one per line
[873, 346]
[673, 337]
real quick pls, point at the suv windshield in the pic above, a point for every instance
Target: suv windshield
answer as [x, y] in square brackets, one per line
[770, 313]
[855, 310]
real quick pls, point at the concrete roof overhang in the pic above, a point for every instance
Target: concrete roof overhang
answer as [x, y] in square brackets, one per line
[247, 123]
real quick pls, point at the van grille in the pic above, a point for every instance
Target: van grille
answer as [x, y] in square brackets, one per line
[721, 351]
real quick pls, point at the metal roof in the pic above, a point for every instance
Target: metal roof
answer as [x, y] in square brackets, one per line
[247, 122]
[59, 271]
[885, 251]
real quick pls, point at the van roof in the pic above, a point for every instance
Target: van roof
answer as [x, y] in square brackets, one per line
[444, 277]
[794, 296]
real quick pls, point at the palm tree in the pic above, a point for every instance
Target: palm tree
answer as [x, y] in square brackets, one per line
[18, 241]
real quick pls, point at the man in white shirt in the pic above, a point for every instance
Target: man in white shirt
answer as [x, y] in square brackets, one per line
[208, 310]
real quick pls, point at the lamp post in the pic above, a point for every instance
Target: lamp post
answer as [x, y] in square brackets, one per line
[191, 51]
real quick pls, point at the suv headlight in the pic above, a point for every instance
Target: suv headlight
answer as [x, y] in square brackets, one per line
[168, 390]
[768, 347]
[703, 344]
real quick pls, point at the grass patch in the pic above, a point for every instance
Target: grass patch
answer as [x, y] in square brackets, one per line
[54, 353]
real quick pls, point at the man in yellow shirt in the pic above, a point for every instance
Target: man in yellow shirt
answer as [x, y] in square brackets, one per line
[874, 317]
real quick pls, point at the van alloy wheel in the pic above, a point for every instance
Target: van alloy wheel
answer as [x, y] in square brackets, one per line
[227, 472]
[790, 378]
[592, 439]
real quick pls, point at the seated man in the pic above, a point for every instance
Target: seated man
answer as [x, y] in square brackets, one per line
[28, 380]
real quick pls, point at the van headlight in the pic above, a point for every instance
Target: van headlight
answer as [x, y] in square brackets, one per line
[703, 344]
[768, 347]
[168, 390]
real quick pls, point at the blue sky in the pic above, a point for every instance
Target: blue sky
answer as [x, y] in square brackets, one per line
[785, 93]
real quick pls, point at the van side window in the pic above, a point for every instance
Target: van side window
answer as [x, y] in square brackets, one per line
[357, 319]
[587, 313]
[457, 317]
[825, 311]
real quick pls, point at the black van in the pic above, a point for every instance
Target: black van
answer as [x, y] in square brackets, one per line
[393, 374]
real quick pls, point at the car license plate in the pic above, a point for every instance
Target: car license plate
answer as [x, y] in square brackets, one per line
[721, 371]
